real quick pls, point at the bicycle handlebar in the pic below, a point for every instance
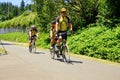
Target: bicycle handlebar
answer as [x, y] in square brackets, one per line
[68, 33]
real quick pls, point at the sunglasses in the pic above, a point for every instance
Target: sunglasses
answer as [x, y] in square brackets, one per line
[63, 11]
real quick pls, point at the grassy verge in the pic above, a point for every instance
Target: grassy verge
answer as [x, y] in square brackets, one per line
[42, 42]
[2, 51]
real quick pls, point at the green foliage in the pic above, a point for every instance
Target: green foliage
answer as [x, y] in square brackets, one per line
[108, 13]
[98, 42]
[9, 11]
[81, 12]
[42, 42]
[16, 36]
[2, 51]
[47, 11]
[25, 20]
[22, 6]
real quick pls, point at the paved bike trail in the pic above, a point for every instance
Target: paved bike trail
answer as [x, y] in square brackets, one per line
[19, 64]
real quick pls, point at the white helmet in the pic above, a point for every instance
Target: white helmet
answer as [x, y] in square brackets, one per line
[33, 26]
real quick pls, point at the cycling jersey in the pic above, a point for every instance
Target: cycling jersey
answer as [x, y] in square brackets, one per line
[63, 23]
[33, 32]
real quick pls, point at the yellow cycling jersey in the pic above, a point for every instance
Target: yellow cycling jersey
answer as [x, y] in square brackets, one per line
[33, 32]
[63, 23]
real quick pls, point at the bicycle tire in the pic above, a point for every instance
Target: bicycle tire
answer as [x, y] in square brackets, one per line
[30, 49]
[34, 49]
[65, 54]
[52, 53]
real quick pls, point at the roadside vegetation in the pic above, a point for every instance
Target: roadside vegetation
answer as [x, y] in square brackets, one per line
[2, 51]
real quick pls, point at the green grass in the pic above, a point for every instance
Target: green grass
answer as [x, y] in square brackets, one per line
[2, 51]
[15, 36]
[98, 42]
[42, 42]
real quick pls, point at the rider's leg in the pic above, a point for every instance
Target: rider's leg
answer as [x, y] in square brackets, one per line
[58, 43]
[65, 37]
[59, 40]
[30, 41]
[52, 42]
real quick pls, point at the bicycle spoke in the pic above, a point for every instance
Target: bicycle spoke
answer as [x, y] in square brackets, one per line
[66, 56]
[52, 53]
[30, 49]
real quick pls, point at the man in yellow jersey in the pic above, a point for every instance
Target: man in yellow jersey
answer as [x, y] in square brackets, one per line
[62, 24]
[33, 34]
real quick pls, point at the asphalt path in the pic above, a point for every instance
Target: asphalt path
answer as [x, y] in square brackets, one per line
[19, 64]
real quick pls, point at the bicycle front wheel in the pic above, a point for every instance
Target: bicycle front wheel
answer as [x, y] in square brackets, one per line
[34, 49]
[65, 54]
[30, 49]
[52, 53]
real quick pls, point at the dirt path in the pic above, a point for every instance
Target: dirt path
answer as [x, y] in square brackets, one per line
[19, 64]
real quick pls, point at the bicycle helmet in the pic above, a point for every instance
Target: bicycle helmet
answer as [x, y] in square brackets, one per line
[63, 10]
[33, 26]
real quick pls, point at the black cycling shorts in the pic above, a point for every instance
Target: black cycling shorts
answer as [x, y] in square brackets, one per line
[63, 34]
[32, 37]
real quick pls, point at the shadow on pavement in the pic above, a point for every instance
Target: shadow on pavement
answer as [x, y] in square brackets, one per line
[73, 61]
[58, 59]
[70, 62]
[5, 44]
[39, 52]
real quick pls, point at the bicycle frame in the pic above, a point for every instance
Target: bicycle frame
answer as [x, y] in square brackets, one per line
[63, 50]
[33, 45]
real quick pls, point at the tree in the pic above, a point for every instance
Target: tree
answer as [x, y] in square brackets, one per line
[22, 6]
[8, 11]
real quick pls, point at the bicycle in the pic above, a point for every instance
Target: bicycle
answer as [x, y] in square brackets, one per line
[63, 50]
[53, 52]
[32, 48]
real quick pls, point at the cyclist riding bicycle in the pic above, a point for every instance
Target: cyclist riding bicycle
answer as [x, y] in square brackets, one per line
[33, 34]
[52, 34]
[62, 22]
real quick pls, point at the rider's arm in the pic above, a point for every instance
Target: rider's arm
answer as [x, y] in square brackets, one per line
[30, 33]
[37, 34]
[70, 25]
[56, 25]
